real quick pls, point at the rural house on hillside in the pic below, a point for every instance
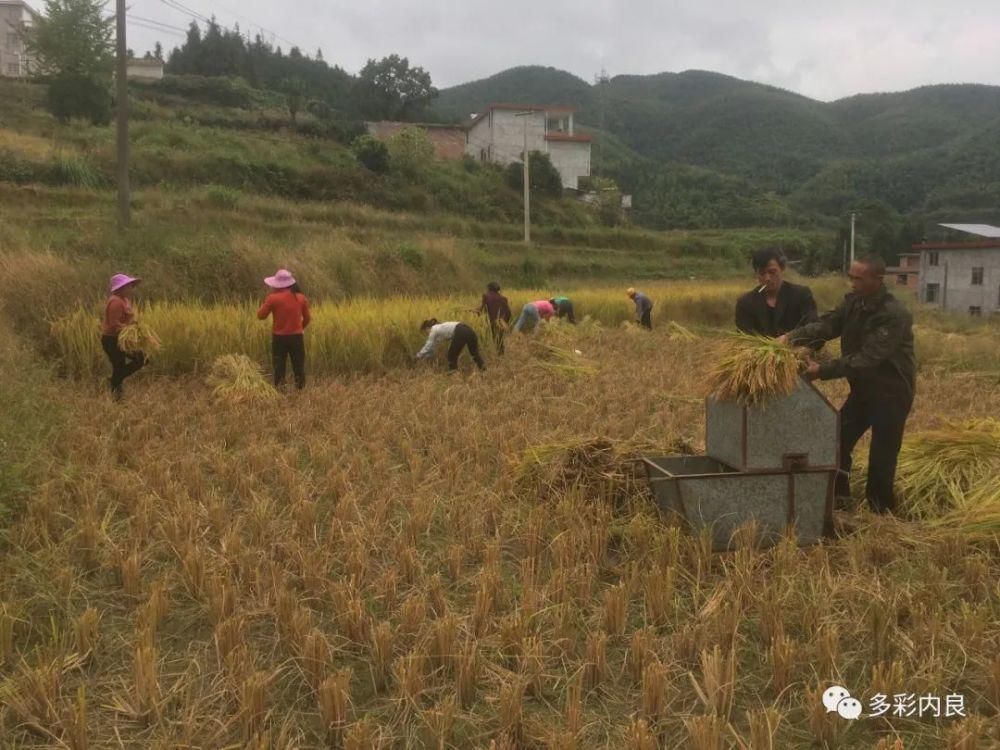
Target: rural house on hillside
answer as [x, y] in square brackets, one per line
[15, 16]
[962, 276]
[144, 69]
[497, 135]
[448, 140]
[907, 273]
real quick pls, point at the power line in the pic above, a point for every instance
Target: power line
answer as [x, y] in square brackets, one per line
[154, 22]
[181, 7]
[157, 29]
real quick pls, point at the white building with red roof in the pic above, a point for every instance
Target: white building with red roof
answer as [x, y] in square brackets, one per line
[497, 135]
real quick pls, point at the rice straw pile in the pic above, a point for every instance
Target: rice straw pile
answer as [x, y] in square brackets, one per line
[755, 369]
[238, 379]
[137, 337]
[680, 333]
[954, 468]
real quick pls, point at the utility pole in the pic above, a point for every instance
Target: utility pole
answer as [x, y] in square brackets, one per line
[527, 181]
[121, 119]
[852, 237]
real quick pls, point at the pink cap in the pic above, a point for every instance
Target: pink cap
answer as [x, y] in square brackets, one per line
[120, 280]
[281, 280]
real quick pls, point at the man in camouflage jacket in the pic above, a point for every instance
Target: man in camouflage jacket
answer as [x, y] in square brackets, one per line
[876, 342]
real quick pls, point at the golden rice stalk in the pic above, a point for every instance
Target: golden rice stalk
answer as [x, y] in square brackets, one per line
[640, 736]
[138, 337]
[334, 697]
[764, 725]
[679, 332]
[755, 369]
[951, 468]
[7, 622]
[704, 732]
[238, 379]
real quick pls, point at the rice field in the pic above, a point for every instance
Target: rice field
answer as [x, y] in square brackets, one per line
[371, 335]
[403, 558]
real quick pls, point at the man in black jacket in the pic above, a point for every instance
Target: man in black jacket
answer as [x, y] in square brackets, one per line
[775, 306]
[876, 344]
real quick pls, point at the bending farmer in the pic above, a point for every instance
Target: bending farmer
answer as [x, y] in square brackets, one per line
[532, 313]
[497, 309]
[643, 307]
[564, 308]
[459, 334]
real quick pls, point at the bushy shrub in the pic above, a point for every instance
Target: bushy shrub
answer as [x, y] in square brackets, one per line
[372, 153]
[224, 92]
[72, 96]
[73, 170]
[14, 169]
[410, 152]
[221, 196]
[542, 175]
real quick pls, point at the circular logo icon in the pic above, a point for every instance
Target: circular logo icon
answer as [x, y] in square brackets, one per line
[834, 695]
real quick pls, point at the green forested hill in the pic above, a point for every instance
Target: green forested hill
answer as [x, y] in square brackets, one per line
[691, 145]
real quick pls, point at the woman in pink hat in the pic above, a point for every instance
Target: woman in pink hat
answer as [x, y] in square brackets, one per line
[289, 309]
[118, 314]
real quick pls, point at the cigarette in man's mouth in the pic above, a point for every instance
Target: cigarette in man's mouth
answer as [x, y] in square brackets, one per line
[762, 288]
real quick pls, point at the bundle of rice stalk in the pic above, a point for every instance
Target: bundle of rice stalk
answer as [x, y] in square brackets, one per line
[680, 333]
[755, 369]
[238, 379]
[565, 362]
[137, 337]
[945, 469]
[978, 515]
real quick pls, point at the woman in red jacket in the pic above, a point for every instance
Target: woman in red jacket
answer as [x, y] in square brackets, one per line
[118, 313]
[290, 311]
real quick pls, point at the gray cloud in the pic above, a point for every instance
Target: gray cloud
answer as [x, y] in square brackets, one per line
[824, 50]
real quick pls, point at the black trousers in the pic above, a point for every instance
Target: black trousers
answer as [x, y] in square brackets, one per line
[497, 332]
[647, 319]
[464, 337]
[566, 311]
[885, 414]
[289, 346]
[122, 364]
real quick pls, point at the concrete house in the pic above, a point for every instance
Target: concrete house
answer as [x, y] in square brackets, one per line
[15, 16]
[962, 277]
[144, 69]
[907, 273]
[448, 140]
[497, 135]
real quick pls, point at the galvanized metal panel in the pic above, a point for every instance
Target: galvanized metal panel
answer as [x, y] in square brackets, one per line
[801, 423]
[724, 503]
[981, 230]
[724, 432]
[813, 493]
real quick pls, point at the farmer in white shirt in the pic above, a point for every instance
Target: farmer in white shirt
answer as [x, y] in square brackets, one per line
[459, 334]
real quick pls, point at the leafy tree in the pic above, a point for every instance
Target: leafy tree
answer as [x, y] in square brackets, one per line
[158, 51]
[72, 45]
[543, 177]
[410, 151]
[372, 153]
[73, 38]
[72, 96]
[294, 93]
[389, 89]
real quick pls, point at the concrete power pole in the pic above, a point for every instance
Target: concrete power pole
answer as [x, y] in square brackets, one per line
[527, 181]
[852, 237]
[121, 118]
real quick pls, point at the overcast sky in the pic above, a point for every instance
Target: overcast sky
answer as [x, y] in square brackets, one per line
[822, 49]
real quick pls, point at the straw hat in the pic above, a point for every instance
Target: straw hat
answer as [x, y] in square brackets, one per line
[281, 280]
[120, 280]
